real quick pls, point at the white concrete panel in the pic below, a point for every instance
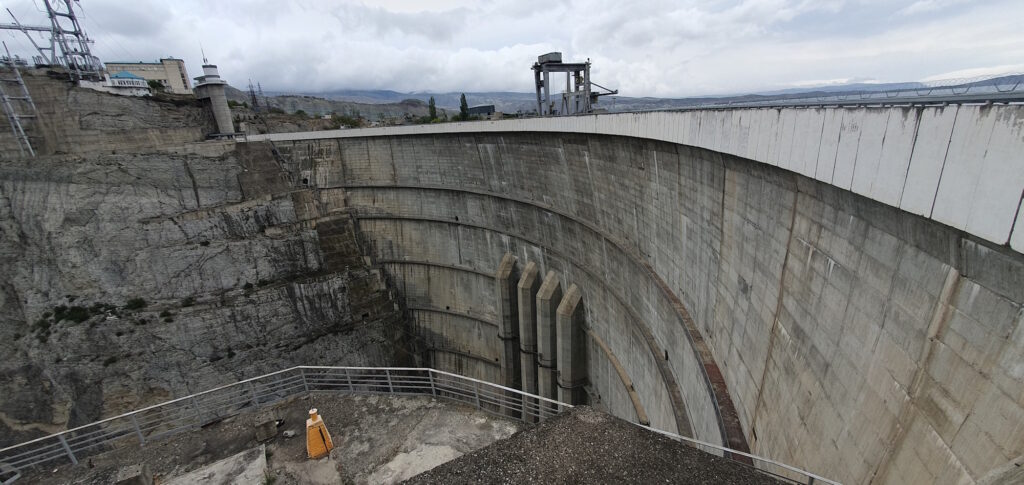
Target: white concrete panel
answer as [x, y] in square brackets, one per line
[606, 124]
[769, 126]
[1017, 238]
[792, 154]
[741, 140]
[784, 140]
[661, 127]
[683, 128]
[732, 132]
[693, 133]
[755, 126]
[710, 131]
[997, 197]
[637, 124]
[929, 154]
[962, 170]
[810, 143]
[887, 185]
[724, 131]
[589, 124]
[869, 149]
[849, 139]
[829, 144]
[705, 133]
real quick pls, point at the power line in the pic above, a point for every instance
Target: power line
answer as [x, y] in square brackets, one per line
[113, 38]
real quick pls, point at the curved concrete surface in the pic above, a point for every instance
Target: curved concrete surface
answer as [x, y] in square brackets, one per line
[957, 164]
[745, 303]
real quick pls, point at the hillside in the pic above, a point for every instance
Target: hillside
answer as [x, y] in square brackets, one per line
[317, 106]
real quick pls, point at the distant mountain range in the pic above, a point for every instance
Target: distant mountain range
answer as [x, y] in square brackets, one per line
[510, 102]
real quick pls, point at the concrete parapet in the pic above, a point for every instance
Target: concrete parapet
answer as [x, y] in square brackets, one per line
[572, 367]
[529, 283]
[548, 298]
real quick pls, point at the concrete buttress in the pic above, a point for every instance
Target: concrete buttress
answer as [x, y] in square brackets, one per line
[571, 353]
[548, 298]
[527, 290]
[508, 320]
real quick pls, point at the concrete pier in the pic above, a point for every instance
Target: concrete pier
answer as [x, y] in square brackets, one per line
[508, 320]
[572, 368]
[529, 283]
[548, 298]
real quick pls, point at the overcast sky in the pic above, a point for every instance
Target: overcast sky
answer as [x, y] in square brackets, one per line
[644, 48]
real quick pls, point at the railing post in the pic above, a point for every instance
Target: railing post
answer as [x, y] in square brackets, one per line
[810, 480]
[433, 390]
[348, 380]
[391, 388]
[252, 395]
[305, 383]
[138, 431]
[476, 393]
[67, 449]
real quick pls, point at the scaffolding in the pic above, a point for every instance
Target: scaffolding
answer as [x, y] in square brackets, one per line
[69, 44]
[579, 96]
[19, 106]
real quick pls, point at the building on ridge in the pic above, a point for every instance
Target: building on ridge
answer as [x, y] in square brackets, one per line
[120, 83]
[169, 72]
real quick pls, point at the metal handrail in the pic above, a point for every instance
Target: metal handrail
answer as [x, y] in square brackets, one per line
[811, 478]
[194, 410]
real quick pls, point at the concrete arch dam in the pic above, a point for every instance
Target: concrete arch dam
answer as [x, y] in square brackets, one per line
[835, 288]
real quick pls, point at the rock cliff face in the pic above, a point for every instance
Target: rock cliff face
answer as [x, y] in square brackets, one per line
[133, 275]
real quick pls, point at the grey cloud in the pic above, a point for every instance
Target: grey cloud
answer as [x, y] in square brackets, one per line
[645, 48]
[434, 26]
[127, 19]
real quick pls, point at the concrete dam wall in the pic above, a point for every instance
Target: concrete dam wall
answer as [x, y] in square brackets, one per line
[744, 303]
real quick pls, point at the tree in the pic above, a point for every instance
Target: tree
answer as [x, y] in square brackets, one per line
[463, 108]
[432, 109]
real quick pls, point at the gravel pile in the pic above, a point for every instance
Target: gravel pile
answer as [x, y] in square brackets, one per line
[588, 446]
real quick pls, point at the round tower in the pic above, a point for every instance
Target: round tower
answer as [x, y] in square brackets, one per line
[210, 86]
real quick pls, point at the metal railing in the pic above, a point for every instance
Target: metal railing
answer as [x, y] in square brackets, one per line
[760, 463]
[190, 412]
[193, 411]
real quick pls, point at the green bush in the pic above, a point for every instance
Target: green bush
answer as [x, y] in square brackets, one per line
[135, 304]
[109, 360]
[188, 301]
[77, 314]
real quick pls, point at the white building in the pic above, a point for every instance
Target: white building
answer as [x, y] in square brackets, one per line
[169, 72]
[120, 83]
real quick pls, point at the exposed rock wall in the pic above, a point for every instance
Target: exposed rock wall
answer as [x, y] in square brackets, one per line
[133, 278]
[75, 121]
